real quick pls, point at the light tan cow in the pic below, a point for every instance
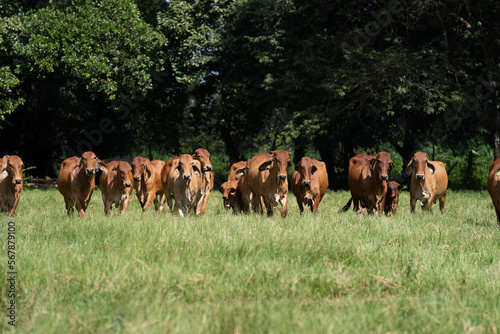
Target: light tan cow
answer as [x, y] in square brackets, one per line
[186, 179]
[428, 182]
[203, 156]
[309, 183]
[147, 182]
[11, 183]
[267, 179]
[76, 181]
[116, 186]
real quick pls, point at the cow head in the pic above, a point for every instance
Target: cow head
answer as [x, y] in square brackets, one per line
[393, 189]
[279, 161]
[381, 165]
[12, 166]
[189, 168]
[228, 191]
[141, 166]
[90, 164]
[419, 164]
[306, 169]
[124, 174]
[203, 156]
[238, 170]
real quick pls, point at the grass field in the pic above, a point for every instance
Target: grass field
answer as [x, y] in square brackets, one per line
[148, 272]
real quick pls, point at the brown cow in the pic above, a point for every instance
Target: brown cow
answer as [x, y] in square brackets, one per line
[392, 198]
[203, 156]
[186, 178]
[11, 183]
[229, 191]
[367, 179]
[148, 182]
[309, 183]
[76, 181]
[494, 186]
[116, 186]
[267, 179]
[168, 190]
[428, 182]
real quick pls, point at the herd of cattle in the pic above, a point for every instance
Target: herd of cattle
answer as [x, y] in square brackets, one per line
[256, 184]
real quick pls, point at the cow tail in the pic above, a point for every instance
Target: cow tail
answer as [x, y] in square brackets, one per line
[347, 206]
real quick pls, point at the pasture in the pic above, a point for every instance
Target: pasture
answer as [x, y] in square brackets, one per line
[148, 272]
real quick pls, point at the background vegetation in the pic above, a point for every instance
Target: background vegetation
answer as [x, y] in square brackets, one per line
[318, 77]
[223, 273]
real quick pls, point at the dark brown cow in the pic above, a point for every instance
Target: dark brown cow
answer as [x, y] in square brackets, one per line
[116, 186]
[309, 183]
[186, 178]
[148, 182]
[428, 182]
[367, 179]
[203, 156]
[230, 196]
[267, 179]
[392, 198]
[11, 183]
[494, 186]
[76, 181]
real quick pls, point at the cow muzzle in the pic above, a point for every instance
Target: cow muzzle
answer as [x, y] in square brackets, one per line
[420, 176]
[18, 181]
[384, 177]
[208, 168]
[90, 171]
[306, 183]
[224, 197]
[136, 178]
[128, 185]
[282, 177]
[187, 177]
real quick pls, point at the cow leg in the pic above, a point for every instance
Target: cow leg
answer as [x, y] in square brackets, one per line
[13, 211]
[413, 201]
[315, 205]
[497, 209]
[269, 206]
[284, 208]
[107, 207]
[163, 198]
[256, 203]
[180, 209]
[124, 204]
[442, 202]
[157, 203]
[149, 201]
[168, 197]
[80, 207]
[69, 205]
[301, 206]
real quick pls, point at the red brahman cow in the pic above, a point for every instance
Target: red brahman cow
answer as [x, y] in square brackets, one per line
[428, 182]
[229, 191]
[186, 178]
[309, 183]
[267, 179]
[203, 156]
[232, 190]
[76, 181]
[168, 189]
[367, 179]
[494, 186]
[392, 198]
[116, 186]
[11, 183]
[147, 182]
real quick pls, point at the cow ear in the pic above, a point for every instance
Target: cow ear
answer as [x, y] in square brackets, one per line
[221, 188]
[76, 170]
[409, 167]
[197, 167]
[265, 165]
[314, 169]
[298, 166]
[431, 167]
[147, 170]
[289, 163]
[240, 173]
[372, 163]
[399, 186]
[100, 165]
[391, 165]
[5, 162]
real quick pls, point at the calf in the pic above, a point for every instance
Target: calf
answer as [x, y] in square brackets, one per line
[203, 156]
[367, 179]
[494, 186]
[11, 183]
[309, 183]
[428, 182]
[267, 179]
[186, 178]
[147, 182]
[392, 198]
[76, 181]
[116, 186]
[229, 191]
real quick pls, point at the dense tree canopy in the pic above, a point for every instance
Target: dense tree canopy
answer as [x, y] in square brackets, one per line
[317, 77]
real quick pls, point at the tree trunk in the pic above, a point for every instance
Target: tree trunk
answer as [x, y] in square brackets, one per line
[232, 152]
[468, 177]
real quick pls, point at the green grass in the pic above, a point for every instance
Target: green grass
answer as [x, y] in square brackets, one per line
[148, 272]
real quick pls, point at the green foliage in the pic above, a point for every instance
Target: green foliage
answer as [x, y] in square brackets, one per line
[349, 273]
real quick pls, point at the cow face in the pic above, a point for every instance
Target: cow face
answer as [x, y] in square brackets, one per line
[419, 164]
[141, 167]
[12, 166]
[228, 191]
[381, 165]
[124, 174]
[188, 168]
[203, 156]
[279, 162]
[91, 164]
[306, 169]
[392, 197]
